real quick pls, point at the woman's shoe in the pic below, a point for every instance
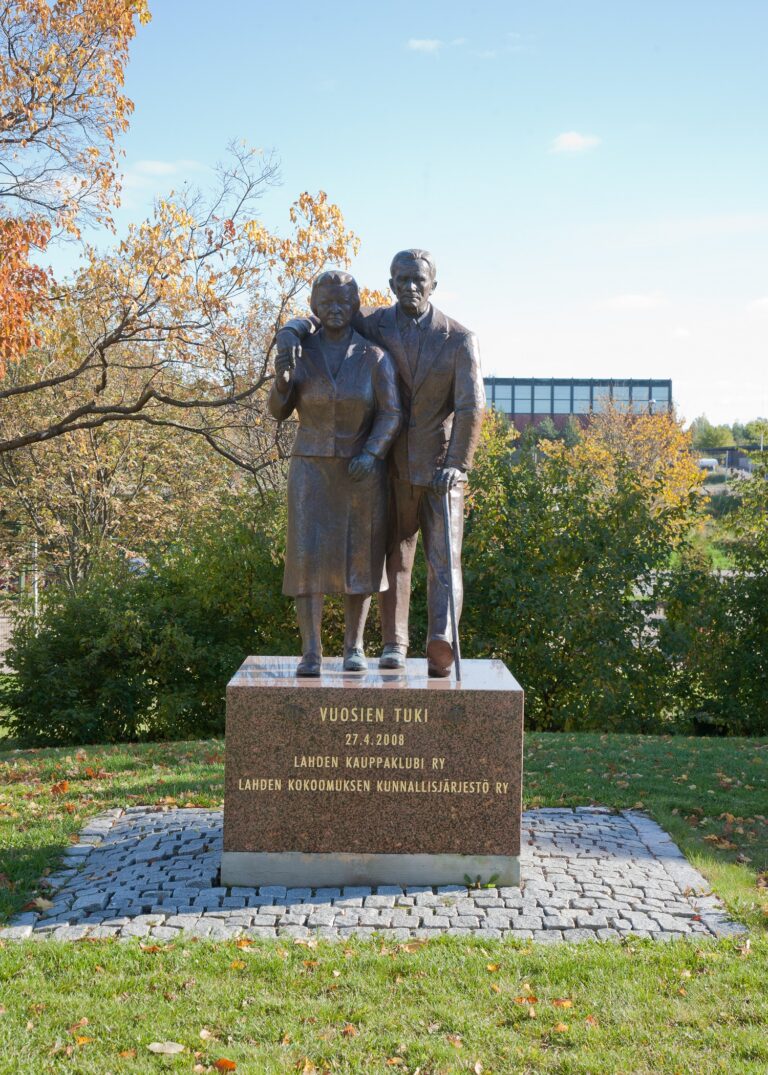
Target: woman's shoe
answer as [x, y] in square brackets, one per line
[309, 665]
[392, 656]
[354, 660]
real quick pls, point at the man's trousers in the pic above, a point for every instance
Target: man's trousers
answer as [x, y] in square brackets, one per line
[414, 509]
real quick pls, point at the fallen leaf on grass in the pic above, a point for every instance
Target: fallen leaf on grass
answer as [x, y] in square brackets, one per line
[61, 788]
[563, 1003]
[243, 942]
[237, 964]
[478, 1067]
[393, 1061]
[83, 1040]
[127, 1054]
[411, 946]
[495, 988]
[492, 967]
[309, 1068]
[350, 1031]
[205, 1034]
[591, 1021]
[305, 943]
[560, 1028]
[152, 947]
[80, 1023]
[225, 1065]
[455, 1040]
[337, 974]
[42, 904]
[166, 1048]
[310, 964]
[530, 999]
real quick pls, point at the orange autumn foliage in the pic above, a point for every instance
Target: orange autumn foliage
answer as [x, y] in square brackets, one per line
[62, 109]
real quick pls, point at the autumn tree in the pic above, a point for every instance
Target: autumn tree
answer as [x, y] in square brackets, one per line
[62, 111]
[716, 625]
[119, 490]
[175, 326]
[562, 556]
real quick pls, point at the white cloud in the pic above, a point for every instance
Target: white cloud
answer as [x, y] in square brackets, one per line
[634, 301]
[424, 44]
[681, 333]
[573, 142]
[164, 168]
[145, 175]
[760, 305]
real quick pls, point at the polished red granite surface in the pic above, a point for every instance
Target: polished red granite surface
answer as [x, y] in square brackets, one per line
[380, 762]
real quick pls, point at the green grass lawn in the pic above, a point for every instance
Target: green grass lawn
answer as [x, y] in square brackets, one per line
[448, 1006]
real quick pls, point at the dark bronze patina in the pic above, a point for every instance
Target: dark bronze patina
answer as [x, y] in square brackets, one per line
[344, 389]
[442, 394]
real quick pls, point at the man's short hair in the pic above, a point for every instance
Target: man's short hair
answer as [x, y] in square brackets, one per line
[335, 276]
[414, 255]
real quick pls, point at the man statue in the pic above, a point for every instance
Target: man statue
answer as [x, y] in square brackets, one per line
[443, 398]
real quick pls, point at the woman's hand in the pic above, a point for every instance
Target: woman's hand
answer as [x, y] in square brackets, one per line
[285, 364]
[361, 466]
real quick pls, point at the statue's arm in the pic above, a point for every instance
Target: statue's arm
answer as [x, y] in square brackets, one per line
[468, 405]
[389, 414]
[294, 331]
[282, 400]
[366, 322]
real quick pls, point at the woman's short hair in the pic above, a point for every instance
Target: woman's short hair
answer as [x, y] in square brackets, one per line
[340, 279]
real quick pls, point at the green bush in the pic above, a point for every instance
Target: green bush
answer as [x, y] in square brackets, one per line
[716, 628]
[148, 656]
[562, 550]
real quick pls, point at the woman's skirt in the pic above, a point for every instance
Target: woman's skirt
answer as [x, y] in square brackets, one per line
[337, 528]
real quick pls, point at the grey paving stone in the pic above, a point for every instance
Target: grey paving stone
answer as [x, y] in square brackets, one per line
[17, 933]
[586, 873]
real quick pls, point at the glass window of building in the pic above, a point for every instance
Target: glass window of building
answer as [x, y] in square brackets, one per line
[641, 393]
[661, 393]
[542, 399]
[580, 398]
[503, 398]
[523, 394]
[621, 397]
[488, 395]
[601, 395]
[562, 400]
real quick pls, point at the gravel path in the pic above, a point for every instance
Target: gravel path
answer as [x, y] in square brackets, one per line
[586, 873]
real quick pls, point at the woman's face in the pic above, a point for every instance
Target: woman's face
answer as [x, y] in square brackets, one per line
[335, 306]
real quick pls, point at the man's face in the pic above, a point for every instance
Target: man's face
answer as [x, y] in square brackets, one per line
[413, 284]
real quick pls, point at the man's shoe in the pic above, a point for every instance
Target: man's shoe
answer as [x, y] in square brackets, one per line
[354, 660]
[392, 656]
[439, 658]
[309, 665]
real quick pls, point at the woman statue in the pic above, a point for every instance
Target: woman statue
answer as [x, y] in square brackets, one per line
[344, 390]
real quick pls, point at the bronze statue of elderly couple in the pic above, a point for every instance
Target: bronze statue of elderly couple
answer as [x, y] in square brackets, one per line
[389, 404]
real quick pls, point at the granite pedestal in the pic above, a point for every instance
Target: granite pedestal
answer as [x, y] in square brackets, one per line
[373, 778]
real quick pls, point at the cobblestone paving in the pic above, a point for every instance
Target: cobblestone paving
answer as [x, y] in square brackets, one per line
[586, 873]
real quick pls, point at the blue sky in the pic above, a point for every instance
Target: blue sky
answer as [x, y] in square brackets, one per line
[591, 176]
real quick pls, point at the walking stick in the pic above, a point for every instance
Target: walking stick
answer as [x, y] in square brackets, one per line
[451, 594]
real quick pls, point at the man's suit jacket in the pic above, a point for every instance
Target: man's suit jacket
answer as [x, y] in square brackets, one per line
[442, 400]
